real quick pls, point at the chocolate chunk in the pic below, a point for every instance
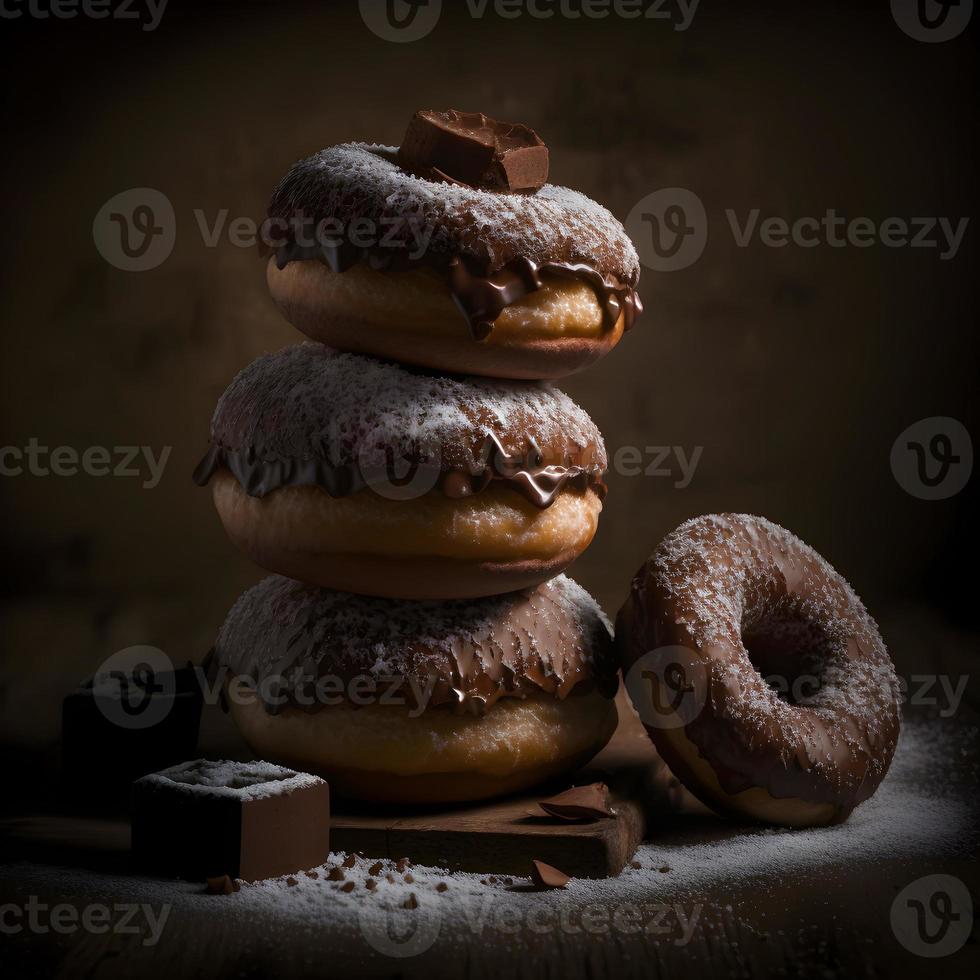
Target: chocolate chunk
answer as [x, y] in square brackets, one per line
[349, 861]
[370, 884]
[246, 820]
[545, 876]
[222, 885]
[336, 874]
[472, 149]
[348, 887]
[375, 868]
[580, 803]
[411, 902]
[442, 886]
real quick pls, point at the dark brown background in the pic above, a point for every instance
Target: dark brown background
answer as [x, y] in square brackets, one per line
[795, 369]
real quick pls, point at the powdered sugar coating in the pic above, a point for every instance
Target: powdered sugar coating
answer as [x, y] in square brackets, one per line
[467, 652]
[363, 181]
[242, 780]
[722, 585]
[312, 402]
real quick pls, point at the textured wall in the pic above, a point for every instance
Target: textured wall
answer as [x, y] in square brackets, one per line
[795, 369]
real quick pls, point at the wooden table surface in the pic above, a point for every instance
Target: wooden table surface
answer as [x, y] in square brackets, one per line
[735, 902]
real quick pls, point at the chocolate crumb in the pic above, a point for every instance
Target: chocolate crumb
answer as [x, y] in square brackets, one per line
[347, 886]
[411, 902]
[664, 869]
[402, 863]
[442, 886]
[390, 877]
[311, 874]
[375, 868]
[336, 874]
[635, 864]
[408, 879]
[291, 881]
[349, 861]
[370, 884]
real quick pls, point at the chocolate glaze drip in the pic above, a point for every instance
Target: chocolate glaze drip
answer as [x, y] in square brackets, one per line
[480, 294]
[461, 654]
[527, 473]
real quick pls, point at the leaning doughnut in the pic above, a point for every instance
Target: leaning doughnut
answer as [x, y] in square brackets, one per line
[455, 278]
[354, 474]
[420, 702]
[725, 602]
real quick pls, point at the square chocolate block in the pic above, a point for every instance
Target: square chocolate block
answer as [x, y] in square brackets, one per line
[121, 726]
[248, 820]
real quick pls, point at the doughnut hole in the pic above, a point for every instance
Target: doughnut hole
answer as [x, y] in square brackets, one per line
[790, 651]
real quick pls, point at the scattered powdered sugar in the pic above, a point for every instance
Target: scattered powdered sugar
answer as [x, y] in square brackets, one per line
[362, 181]
[309, 401]
[921, 813]
[242, 780]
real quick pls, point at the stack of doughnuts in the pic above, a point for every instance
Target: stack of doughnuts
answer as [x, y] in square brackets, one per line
[411, 477]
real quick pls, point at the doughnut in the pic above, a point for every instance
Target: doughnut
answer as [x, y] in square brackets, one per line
[727, 611]
[369, 477]
[372, 258]
[419, 702]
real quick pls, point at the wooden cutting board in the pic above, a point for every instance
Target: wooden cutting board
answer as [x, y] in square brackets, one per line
[504, 836]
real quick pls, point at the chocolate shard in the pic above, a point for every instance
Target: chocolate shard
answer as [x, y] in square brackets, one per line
[472, 149]
[580, 803]
[545, 876]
